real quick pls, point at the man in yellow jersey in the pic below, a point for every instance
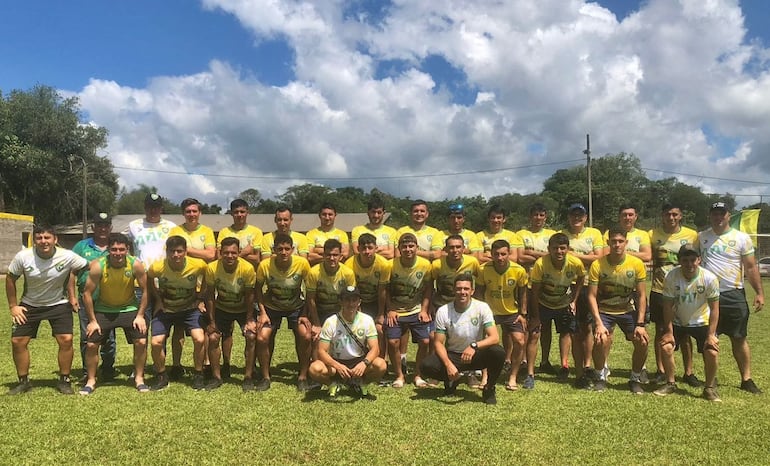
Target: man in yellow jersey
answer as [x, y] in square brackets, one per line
[503, 284]
[47, 269]
[230, 282]
[324, 284]
[614, 281]
[496, 217]
[408, 300]
[729, 254]
[586, 244]
[348, 348]
[665, 242]
[385, 235]
[557, 280]
[173, 285]
[691, 309]
[280, 279]
[283, 219]
[466, 339]
[317, 237]
[534, 240]
[249, 236]
[471, 244]
[420, 229]
[372, 272]
[110, 303]
[201, 245]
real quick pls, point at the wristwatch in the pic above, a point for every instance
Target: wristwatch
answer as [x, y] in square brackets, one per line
[475, 345]
[367, 362]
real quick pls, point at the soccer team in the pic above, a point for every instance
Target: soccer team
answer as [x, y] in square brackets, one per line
[351, 303]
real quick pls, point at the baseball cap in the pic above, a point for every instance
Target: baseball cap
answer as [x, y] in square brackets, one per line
[153, 199]
[577, 206]
[102, 217]
[457, 209]
[718, 206]
[350, 292]
[688, 249]
[407, 238]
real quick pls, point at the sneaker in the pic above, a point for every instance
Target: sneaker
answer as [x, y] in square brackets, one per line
[22, 387]
[659, 378]
[198, 382]
[591, 373]
[65, 386]
[644, 376]
[473, 381]
[247, 385]
[334, 389]
[563, 373]
[176, 373]
[86, 390]
[636, 387]
[450, 387]
[710, 394]
[667, 389]
[303, 385]
[583, 382]
[488, 396]
[263, 385]
[507, 367]
[404, 365]
[213, 384]
[605, 372]
[207, 371]
[546, 368]
[692, 380]
[225, 371]
[750, 386]
[600, 385]
[529, 382]
[161, 383]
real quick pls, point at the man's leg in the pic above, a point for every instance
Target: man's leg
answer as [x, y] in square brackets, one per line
[375, 371]
[710, 362]
[140, 359]
[158, 343]
[263, 351]
[321, 373]
[431, 366]
[108, 352]
[250, 354]
[519, 346]
[685, 346]
[65, 354]
[199, 348]
[215, 353]
[20, 347]
[92, 362]
[177, 345]
[304, 348]
[546, 336]
[532, 344]
[742, 355]
[666, 355]
[394, 351]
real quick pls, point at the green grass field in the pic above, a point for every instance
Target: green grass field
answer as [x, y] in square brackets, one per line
[553, 424]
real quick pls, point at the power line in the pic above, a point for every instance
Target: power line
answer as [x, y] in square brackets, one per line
[707, 177]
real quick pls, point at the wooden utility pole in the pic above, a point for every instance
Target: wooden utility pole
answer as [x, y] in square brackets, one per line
[587, 152]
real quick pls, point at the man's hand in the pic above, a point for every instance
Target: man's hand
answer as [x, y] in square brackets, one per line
[452, 372]
[640, 334]
[571, 308]
[92, 328]
[601, 333]
[424, 316]
[262, 320]
[712, 341]
[759, 302]
[522, 320]
[251, 326]
[75, 305]
[392, 318]
[359, 369]
[140, 324]
[468, 354]
[344, 372]
[668, 339]
[211, 328]
[19, 315]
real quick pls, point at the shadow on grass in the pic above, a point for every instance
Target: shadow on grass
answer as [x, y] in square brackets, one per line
[437, 394]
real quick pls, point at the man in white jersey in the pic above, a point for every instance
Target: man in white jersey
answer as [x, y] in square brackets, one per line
[690, 308]
[348, 349]
[729, 254]
[47, 295]
[466, 339]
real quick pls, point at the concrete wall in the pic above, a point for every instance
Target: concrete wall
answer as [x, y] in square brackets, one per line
[13, 230]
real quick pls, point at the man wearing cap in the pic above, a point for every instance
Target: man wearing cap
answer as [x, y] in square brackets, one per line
[466, 339]
[729, 254]
[586, 244]
[91, 249]
[690, 309]
[496, 217]
[149, 234]
[384, 235]
[317, 237]
[456, 220]
[348, 349]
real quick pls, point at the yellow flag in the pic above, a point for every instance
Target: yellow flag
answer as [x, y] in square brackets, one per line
[747, 221]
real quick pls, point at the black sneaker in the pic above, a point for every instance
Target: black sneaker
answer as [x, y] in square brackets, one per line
[65, 386]
[591, 374]
[583, 382]
[248, 385]
[546, 368]
[199, 382]
[161, 382]
[710, 394]
[750, 386]
[562, 374]
[225, 371]
[263, 385]
[636, 387]
[450, 387]
[22, 387]
[176, 373]
[108, 374]
[600, 385]
[659, 378]
[213, 384]
[207, 371]
[303, 385]
[666, 389]
[488, 396]
[692, 380]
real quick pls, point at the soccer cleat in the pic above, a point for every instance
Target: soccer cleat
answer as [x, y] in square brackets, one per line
[644, 376]
[303, 385]
[334, 389]
[546, 368]
[161, 383]
[583, 382]
[22, 387]
[213, 384]
[65, 386]
[450, 387]
[750, 386]
[636, 387]
[529, 382]
[199, 382]
[710, 394]
[659, 378]
[666, 389]
[507, 367]
[473, 381]
[563, 373]
[600, 385]
[692, 380]
[248, 385]
[263, 385]
[488, 396]
[176, 373]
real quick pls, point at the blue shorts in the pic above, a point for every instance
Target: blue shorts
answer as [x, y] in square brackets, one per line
[419, 330]
[277, 316]
[626, 322]
[163, 321]
[565, 320]
[508, 323]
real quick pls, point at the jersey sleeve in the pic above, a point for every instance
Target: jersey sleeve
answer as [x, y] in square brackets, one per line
[211, 273]
[536, 273]
[208, 238]
[441, 319]
[302, 245]
[311, 281]
[327, 331]
[593, 273]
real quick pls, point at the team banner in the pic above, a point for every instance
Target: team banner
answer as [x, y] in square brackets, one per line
[746, 221]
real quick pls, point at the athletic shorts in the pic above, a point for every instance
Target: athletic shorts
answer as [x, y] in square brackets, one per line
[350, 363]
[699, 333]
[655, 309]
[583, 309]
[109, 321]
[292, 317]
[59, 316]
[163, 321]
[224, 321]
[626, 322]
[419, 330]
[565, 320]
[733, 314]
[508, 323]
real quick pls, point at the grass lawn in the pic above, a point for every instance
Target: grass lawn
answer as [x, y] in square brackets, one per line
[552, 424]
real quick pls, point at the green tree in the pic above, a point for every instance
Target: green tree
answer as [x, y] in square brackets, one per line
[44, 148]
[253, 198]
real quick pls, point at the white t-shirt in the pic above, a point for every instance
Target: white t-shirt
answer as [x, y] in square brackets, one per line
[723, 255]
[149, 239]
[463, 328]
[45, 280]
[691, 297]
[341, 344]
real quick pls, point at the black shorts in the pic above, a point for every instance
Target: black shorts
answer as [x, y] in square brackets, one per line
[733, 314]
[565, 320]
[109, 321]
[508, 323]
[699, 333]
[583, 309]
[292, 317]
[224, 321]
[655, 309]
[350, 363]
[59, 316]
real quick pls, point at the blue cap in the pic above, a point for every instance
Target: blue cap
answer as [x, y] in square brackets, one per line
[577, 206]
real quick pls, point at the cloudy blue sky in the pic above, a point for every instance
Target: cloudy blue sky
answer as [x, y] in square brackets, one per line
[428, 99]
